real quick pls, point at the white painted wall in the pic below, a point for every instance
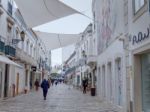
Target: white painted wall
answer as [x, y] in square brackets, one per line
[110, 55]
[109, 50]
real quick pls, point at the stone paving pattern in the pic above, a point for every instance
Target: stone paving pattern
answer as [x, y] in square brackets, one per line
[60, 99]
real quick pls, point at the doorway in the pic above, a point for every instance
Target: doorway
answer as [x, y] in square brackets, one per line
[0, 82]
[119, 82]
[145, 77]
[6, 81]
[17, 84]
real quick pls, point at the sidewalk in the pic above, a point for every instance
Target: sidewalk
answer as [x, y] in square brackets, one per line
[60, 99]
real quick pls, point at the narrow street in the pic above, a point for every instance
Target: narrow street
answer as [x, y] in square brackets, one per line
[60, 99]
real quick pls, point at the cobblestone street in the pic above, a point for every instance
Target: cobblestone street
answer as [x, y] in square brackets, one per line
[60, 99]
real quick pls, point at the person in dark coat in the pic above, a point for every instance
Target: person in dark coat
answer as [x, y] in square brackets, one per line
[36, 85]
[84, 84]
[45, 86]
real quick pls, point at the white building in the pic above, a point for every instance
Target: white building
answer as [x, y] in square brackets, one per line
[138, 54]
[8, 50]
[83, 52]
[111, 64]
[70, 69]
[20, 52]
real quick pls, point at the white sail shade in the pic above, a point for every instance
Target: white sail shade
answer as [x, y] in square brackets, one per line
[38, 12]
[54, 41]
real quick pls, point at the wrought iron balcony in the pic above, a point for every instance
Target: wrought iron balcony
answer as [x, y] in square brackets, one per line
[9, 50]
[24, 57]
[2, 46]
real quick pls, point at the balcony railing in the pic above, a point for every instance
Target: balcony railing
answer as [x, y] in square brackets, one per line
[9, 50]
[2, 46]
[24, 57]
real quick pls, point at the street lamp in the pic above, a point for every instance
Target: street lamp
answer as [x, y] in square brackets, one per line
[16, 41]
[22, 34]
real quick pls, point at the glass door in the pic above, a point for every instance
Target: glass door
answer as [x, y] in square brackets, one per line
[145, 61]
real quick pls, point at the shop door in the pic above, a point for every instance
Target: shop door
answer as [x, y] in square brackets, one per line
[17, 84]
[145, 61]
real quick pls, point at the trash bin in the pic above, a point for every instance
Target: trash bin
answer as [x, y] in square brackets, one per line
[92, 91]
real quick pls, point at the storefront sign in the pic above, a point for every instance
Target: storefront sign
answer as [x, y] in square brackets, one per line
[141, 36]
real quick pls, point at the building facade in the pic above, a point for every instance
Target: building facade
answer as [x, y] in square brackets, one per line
[111, 64]
[22, 59]
[86, 58]
[138, 27]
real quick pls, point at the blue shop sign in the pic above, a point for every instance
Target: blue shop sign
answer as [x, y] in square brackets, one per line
[141, 36]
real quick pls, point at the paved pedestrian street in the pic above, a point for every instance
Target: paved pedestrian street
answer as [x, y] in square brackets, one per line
[60, 99]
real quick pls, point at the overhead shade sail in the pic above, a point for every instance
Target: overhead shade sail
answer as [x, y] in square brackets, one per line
[38, 12]
[6, 60]
[54, 41]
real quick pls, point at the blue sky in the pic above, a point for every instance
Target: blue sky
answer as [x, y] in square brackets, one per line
[73, 24]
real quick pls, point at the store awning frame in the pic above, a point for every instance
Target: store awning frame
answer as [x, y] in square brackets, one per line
[6, 60]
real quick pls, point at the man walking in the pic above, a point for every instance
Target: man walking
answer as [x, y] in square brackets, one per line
[45, 86]
[84, 84]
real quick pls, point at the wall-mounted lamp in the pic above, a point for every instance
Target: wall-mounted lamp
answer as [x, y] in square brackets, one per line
[22, 34]
[16, 41]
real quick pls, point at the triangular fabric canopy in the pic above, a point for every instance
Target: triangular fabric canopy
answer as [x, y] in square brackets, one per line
[54, 41]
[38, 12]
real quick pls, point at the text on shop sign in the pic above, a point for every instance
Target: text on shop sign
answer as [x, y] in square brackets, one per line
[141, 36]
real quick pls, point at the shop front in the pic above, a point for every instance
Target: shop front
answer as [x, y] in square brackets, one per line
[142, 82]
[145, 72]
[140, 74]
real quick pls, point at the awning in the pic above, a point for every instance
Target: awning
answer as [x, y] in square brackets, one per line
[6, 60]
[54, 41]
[38, 12]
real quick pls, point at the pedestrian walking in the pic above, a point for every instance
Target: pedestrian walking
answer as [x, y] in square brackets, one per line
[30, 84]
[45, 86]
[36, 84]
[52, 81]
[84, 84]
[49, 82]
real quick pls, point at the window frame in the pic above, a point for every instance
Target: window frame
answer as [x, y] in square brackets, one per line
[134, 6]
[140, 11]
